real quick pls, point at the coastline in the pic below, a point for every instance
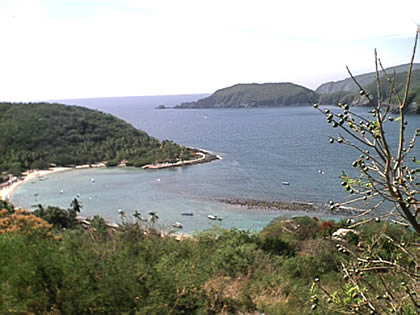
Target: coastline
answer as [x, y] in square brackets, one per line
[204, 157]
[6, 192]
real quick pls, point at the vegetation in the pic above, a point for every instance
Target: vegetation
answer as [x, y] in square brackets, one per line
[134, 270]
[348, 85]
[354, 97]
[49, 264]
[256, 95]
[37, 135]
[388, 178]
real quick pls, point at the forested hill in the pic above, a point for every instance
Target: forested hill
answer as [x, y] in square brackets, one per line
[354, 98]
[256, 95]
[347, 85]
[285, 94]
[36, 134]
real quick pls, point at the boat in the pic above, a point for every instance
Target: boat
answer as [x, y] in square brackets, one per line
[190, 213]
[177, 225]
[92, 180]
[214, 217]
[285, 183]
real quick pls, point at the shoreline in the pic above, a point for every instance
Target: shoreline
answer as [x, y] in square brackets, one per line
[6, 192]
[204, 157]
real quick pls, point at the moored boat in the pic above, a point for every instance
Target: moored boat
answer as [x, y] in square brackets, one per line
[190, 213]
[214, 217]
[177, 225]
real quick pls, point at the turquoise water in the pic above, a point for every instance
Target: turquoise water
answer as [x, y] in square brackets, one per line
[261, 148]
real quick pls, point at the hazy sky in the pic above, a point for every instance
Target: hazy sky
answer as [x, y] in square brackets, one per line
[91, 48]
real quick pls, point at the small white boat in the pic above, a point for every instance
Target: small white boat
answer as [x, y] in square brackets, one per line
[190, 213]
[177, 225]
[92, 180]
[285, 183]
[214, 217]
[61, 191]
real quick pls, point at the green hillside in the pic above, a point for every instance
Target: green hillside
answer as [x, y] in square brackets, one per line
[35, 135]
[355, 99]
[286, 94]
[256, 95]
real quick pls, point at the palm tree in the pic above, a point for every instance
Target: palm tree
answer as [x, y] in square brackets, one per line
[137, 215]
[153, 217]
[122, 215]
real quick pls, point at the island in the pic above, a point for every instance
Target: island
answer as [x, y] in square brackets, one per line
[256, 95]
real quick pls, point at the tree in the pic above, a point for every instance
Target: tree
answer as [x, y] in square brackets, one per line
[153, 217]
[60, 218]
[388, 177]
[76, 206]
[387, 172]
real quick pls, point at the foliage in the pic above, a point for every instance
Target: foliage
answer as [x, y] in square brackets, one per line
[22, 221]
[381, 275]
[60, 218]
[127, 270]
[36, 135]
[5, 204]
[387, 172]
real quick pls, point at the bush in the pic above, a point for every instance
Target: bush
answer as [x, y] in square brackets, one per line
[276, 246]
[60, 218]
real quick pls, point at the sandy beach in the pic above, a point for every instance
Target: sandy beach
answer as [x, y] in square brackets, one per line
[202, 157]
[6, 192]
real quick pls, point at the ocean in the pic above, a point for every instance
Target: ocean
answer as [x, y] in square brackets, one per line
[260, 148]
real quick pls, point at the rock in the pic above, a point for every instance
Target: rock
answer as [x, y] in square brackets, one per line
[341, 233]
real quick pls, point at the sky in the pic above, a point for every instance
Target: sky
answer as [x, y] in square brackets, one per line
[57, 49]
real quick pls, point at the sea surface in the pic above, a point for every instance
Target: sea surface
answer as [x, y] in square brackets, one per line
[260, 149]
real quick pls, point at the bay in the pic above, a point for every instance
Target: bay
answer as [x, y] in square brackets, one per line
[260, 148]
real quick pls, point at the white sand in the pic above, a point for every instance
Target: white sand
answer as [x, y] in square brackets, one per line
[6, 192]
[179, 163]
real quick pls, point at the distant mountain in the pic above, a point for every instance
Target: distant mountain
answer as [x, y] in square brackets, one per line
[347, 85]
[256, 95]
